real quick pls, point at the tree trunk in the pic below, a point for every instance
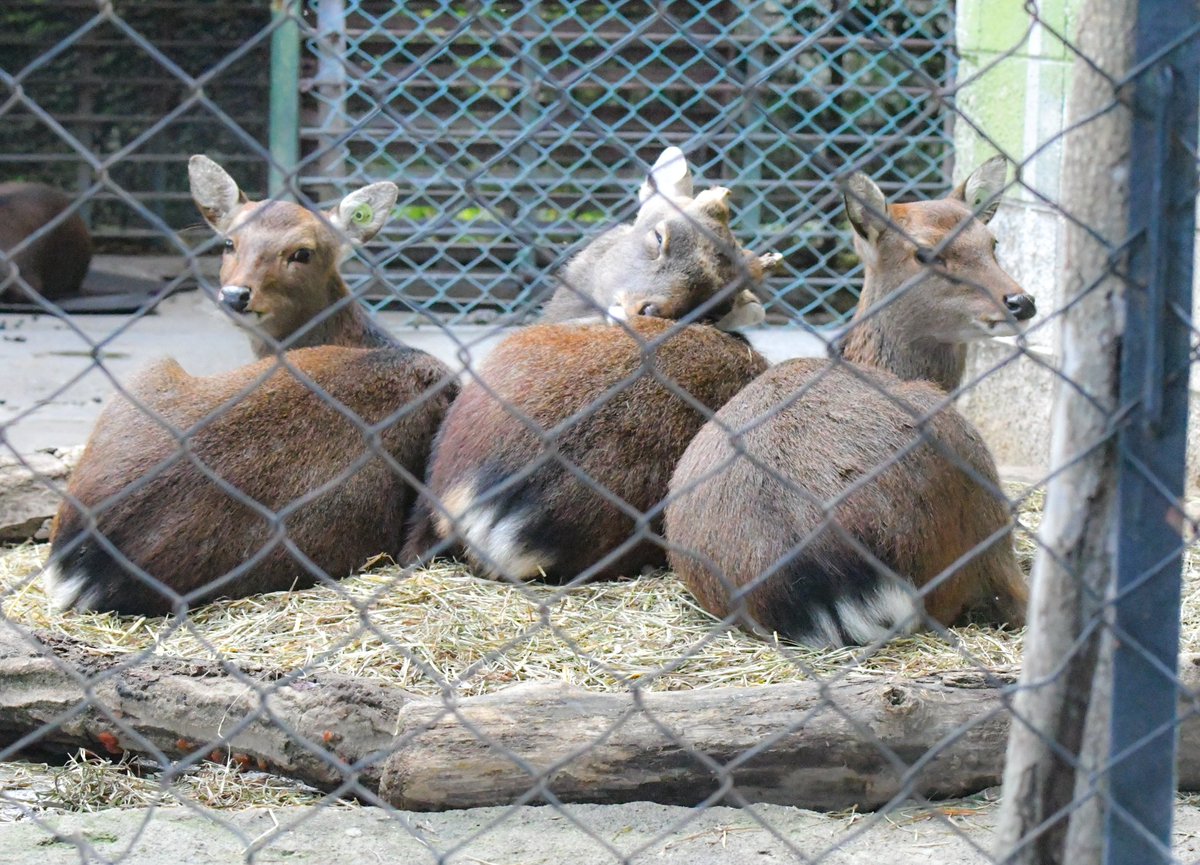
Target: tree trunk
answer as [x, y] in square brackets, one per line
[1065, 689]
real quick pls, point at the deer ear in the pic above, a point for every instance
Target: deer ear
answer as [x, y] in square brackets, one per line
[981, 190]
[670, 175]
[865, 206]
[216, 194]
[363, 212]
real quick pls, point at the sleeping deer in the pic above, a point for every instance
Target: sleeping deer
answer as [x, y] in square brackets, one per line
[865, 503]
[49, 247]
[278, 474]
[554, 461]
[279, 270]
[666, 263]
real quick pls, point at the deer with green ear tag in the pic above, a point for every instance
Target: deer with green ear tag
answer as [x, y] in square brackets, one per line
[279, 273]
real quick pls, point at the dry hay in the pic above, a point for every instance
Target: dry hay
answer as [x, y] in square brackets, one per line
[88, 782]
[440, 628]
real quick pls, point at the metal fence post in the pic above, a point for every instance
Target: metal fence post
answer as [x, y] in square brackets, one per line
[1154, 383]
[285, 96]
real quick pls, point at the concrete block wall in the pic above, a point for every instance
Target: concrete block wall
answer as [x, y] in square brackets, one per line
[1013, 83]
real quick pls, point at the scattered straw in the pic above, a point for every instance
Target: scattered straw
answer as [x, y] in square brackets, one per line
[440, 628]
[87, 782]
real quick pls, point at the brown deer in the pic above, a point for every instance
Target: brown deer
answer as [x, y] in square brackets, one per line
[292, 469]
[554, 461]
[865, 503]
[668, 262]
[279, 272]
[43, 240]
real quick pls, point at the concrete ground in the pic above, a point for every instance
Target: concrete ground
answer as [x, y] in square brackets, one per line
[52, 387]
[639, 832]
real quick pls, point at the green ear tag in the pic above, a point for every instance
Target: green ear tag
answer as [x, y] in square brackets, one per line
[362, 214]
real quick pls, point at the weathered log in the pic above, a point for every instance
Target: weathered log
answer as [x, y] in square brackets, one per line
[28, 498]
[848, 743]
[311, 729]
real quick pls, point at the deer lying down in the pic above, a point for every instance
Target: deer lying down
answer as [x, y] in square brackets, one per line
[560, 410]
[328, 438]
[54, 262]
[864, 502]
[635, 269]
[279, 270]
[261, 441]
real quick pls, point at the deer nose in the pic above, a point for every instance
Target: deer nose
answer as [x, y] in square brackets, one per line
[1021, 306]
[650, 309]
[236, 297]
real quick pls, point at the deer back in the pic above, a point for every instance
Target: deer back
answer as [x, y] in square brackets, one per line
[260, 441]
[546, 464]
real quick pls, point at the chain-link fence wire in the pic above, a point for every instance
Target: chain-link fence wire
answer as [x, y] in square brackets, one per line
[285, 465]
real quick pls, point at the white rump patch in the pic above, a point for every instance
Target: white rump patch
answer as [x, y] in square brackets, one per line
[494, 539]
[68, 591]
[890, 610]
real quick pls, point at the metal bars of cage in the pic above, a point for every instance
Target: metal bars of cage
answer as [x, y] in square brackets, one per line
[780, 100]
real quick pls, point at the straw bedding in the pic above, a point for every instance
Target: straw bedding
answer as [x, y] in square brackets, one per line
[440, 628]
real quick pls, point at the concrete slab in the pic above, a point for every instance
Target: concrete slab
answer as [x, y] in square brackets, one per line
[56, 373]
[638, 832]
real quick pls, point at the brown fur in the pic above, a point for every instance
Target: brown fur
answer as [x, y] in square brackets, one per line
[184, 475]
[55, 263]
[288, 300]
[848, 477]
[592, 389]
[285, 258]
[263, 431]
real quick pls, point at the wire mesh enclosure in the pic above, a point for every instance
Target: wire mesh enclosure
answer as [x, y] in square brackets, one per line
[598, 562]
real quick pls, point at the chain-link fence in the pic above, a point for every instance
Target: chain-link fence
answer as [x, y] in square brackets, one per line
[622, 573]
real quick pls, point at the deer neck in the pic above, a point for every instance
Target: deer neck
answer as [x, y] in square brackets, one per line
[349, 326]
[890, 339]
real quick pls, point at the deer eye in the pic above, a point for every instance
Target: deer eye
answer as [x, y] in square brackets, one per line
[300, 256]
[229, 244]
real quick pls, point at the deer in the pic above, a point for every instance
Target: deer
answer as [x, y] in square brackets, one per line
[279, 267]
[866, 504]
[553, 460]
[634, 268]
[294, 469]
[44, 241]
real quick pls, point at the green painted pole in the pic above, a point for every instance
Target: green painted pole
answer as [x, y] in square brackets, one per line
[285, 98]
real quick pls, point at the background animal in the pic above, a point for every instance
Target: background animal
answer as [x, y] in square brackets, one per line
[821, 498]
[54, 262]
[279, 270]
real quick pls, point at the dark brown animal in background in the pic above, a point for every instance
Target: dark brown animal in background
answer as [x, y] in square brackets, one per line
[555, 461]
[330, 438]
[55, 261]
[862, 501]
[279, 272]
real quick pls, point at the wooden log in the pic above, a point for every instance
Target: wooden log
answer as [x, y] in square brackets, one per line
[859, 742]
